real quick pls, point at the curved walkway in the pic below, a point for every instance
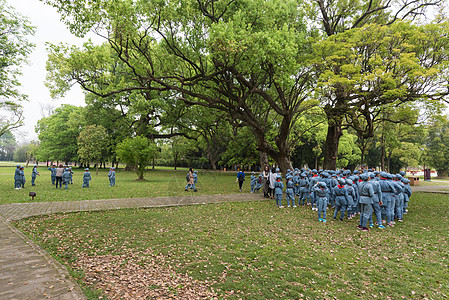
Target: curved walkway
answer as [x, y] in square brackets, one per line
[28, 272]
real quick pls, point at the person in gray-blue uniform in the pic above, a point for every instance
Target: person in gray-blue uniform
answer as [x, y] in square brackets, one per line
[333, 182]
[312, 182]
[340, 198]
[111, 176]
[377, 202]
[195, 177]
[17, 178]
[398, 190]
[366, 193]
[295, 180]
[303, 189]
[351, 196]
[399, 197]
[71, 175]
[66, 178]
[34, 174]
[86, 178]
[259, 183]
[278, 190]
[22, 182]
[407, 194]
[321, 192]
[52, 169]
[388, 189]
[253, 181]
[290, 191]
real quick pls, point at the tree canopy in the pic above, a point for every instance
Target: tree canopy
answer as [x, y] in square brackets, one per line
[14, 49]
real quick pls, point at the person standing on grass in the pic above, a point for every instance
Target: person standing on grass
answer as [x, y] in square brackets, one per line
[34, 174]
[240, 179]
[278, 190]
[340, 198]
[266, 181]
[290, 191]
[17, 178]
[66, 177]
[366, 193]
[111, 176]
[22, 172]
[273, 179]
[377, 202]
[86, 178]
[59, 172]
[321, 191]
[52, 169]
[253, 181]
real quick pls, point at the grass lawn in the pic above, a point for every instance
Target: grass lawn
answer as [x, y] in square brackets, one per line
[250, 251]
[159, 183]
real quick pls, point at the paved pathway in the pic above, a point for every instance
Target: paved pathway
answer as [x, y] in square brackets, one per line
[28, 272]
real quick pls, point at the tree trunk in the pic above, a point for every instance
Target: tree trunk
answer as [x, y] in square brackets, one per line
[334, 132]
[442, 173]
[263, 159]
[382, 153]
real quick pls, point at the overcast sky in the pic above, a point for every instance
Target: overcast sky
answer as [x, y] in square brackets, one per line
[49, 29]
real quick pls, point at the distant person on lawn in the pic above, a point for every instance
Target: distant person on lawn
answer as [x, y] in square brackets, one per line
[52, 169]
[86, 178]
[59, 172]
[240, 179]
[190, 181]
[34, 174]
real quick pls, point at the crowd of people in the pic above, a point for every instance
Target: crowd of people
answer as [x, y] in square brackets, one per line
[349, 193]
[60, 175]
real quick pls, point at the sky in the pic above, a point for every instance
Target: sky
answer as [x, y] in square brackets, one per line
[49, 29]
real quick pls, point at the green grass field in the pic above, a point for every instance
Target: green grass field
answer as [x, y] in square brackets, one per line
[250, 251]
[160, 182]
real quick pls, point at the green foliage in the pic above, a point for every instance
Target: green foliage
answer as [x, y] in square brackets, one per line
[26, 153]
[58, 134]
[8, 144]
[437, 152]
[92, 144]
[14, 49]
[241, 150]
[348, 152]
[137, 152]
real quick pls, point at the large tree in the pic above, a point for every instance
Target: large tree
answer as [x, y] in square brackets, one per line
[243, 57]
[363, 70]
[58, 134]
[92, 145]
[14, 49]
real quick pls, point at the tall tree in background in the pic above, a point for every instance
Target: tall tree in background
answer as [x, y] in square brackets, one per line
[93, 145]
[137, 152]
[58, 134]
[8, 145]
[245, 58]
[365, 59]
[14, 49]
[437, 154]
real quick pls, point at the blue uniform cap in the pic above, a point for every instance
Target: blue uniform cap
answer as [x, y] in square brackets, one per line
[86, 169]
[278, 176]
[402, 173]
[364, 176]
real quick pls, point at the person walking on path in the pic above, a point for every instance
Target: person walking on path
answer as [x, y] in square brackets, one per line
[240, 179]
[59, 172]
[190, 181]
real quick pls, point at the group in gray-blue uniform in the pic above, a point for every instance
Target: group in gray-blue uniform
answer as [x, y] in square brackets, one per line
[365, 193]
